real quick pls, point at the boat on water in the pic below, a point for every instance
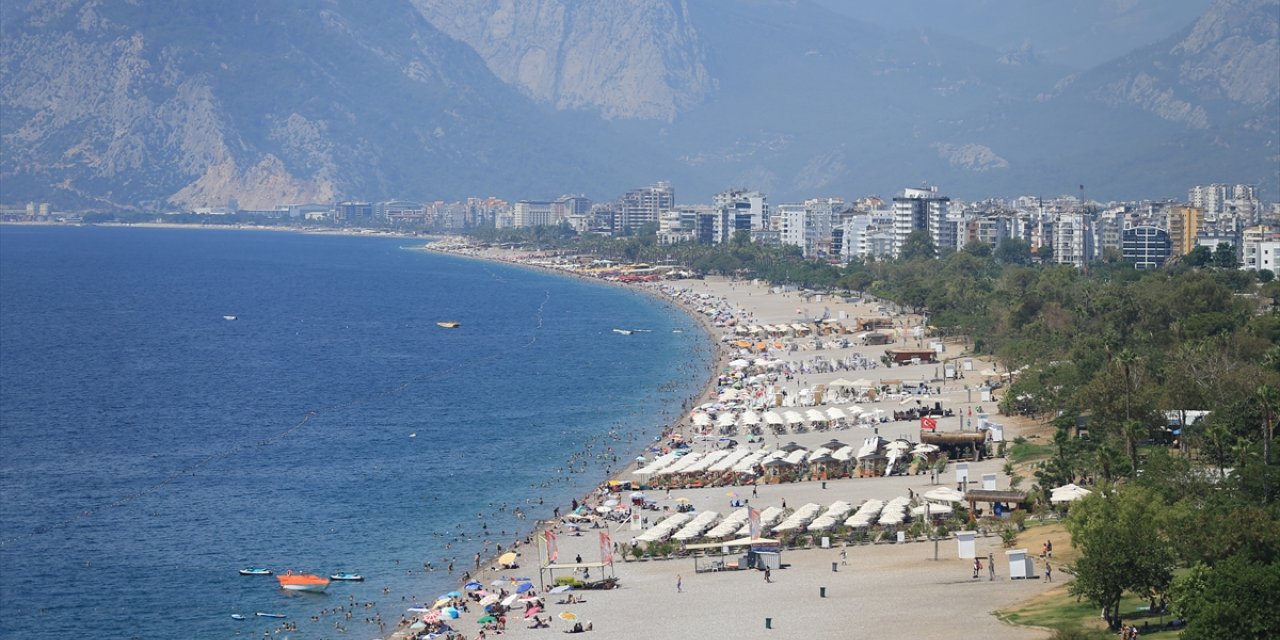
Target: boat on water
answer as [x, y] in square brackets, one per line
[451, 324]
[347, 577]
[255, 571]
[236, 616]
[303, 582]
[229, 318]
[625, 332]
[261, 614]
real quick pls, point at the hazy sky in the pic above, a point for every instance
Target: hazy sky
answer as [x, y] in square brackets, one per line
[1076, 33]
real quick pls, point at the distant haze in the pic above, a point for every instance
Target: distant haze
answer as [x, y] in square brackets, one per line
[1074, 33]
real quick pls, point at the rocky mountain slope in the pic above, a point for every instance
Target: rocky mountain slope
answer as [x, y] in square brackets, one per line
[151, 104]
[189, 104]
[639, 59]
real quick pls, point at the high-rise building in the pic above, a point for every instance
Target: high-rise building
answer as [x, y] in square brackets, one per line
[533, 213]
[1073, 239]
[1145, 247]
[753, 203]
[1184, 224]
[642, 206]
[923, 209]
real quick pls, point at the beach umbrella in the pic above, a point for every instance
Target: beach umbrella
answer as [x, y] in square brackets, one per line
[562, 588]
[568, 615]
[682, 500]
[509, 600]
[431, 617]
[453, 594]
[450, 612]
[488, 600]
[529, 599]
[473, 585]
[418, 626]
[498, 583]
[602, 509]
[524, 587]
[486, 619]
[442, 602]
[531, 611]
[508, 558]
[611, 502]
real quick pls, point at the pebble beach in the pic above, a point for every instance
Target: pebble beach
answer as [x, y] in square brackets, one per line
[846, 589]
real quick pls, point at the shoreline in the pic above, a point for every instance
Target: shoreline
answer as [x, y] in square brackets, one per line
[651, 580]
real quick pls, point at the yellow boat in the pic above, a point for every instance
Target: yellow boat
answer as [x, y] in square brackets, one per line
[449, 325]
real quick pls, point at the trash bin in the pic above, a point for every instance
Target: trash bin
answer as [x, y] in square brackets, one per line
[822, 592]
[768, 623]
[833, 566]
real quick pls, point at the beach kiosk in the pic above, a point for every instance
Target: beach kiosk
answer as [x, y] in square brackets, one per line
[1021, 566]
[965, 547]
[989, 482]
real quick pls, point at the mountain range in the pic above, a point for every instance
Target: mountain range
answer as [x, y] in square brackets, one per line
[142, 104]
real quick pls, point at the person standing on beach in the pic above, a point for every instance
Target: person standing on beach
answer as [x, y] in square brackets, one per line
[767, 575]
[844, 555]
[1048, 572]
[991, 566]
[679, 583]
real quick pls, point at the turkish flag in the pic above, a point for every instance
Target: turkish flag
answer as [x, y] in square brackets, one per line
[928, 423]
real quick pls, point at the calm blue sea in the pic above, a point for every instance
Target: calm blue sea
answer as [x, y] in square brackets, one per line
[149, 447]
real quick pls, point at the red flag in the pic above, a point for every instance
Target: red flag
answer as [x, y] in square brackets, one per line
[553, 554]
[929, 423]
[606, 548]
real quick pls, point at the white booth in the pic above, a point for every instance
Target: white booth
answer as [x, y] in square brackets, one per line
[989, 481]
[1020, 564]
[965, 547]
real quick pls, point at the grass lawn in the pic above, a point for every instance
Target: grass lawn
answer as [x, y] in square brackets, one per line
[1057, 609]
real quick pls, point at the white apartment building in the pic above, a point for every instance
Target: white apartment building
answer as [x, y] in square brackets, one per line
[922, 209]
[534, 213]
[1073, 239]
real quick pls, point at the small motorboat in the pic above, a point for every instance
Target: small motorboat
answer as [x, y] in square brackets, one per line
[255, 571]
[625, 332]
[236, 616]
[230, 318]
[261, 614]
[449, 325]
[291, 581]
[347, 577]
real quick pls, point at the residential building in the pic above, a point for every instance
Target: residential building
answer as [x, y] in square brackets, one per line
[1183, 224]
[1145, 247]
[534, 213]
[639, 207]
[923, 209]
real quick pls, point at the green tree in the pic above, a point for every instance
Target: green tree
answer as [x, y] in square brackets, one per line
[1013, 251]
[1122, 548]
[1234, 598]
[917, 244]
[1224, 257]
[1198, 257]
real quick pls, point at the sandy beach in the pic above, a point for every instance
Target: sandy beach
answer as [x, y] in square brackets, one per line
[922, 589]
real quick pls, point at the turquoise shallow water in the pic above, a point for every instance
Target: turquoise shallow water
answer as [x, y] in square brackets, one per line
[149, 448]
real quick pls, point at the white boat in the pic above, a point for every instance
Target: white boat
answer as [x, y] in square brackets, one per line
[229, 317]
[236, 616]
[625, 332]
[269, 615]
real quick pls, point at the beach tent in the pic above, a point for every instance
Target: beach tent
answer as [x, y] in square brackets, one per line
[1068, 493]
[773, 419]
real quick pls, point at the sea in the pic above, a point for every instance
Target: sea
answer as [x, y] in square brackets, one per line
[176, 404]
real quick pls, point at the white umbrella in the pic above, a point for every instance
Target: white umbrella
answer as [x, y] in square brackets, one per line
[739, 363]
[944, 494]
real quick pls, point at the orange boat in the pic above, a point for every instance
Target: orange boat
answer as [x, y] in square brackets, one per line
[303, 582]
